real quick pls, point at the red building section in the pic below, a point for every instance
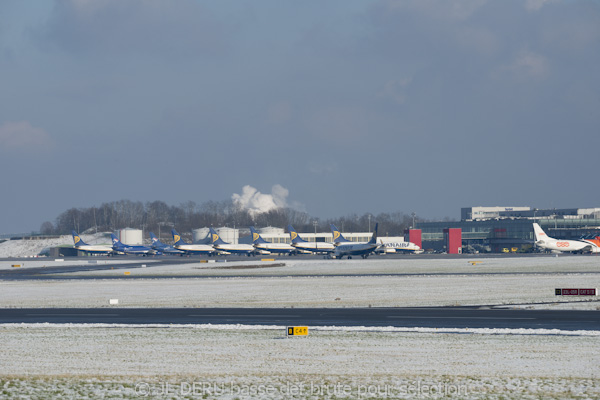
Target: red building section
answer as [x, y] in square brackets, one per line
[453, 240]
[413, 236]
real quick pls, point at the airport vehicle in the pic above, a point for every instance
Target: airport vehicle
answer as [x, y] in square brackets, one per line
[127, 249]
[79, 244]
[262, 245]
[188, 248]
[304, 246]
[224, 247]
[350, 249]
[163, 248]
[545, 242]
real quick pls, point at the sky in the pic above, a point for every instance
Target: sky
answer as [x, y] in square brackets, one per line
[343, 106]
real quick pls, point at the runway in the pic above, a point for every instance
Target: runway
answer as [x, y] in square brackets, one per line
[428, 317]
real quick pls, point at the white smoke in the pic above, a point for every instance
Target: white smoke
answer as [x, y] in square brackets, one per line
[256, 202]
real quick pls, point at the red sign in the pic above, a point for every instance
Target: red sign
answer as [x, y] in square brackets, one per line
[576, 292]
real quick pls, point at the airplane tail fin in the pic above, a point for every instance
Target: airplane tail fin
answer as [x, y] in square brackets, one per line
[337, 235]
[177, 240]
[374, 237]
[215, 238]
[77, 239]
[256, 238]
[155, 241]
[115, 241]
[539, 233]
[295, 238]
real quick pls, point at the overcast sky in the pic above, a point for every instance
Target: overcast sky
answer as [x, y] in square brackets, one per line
[350, 106]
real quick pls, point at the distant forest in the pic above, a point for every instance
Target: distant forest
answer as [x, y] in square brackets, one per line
[158, 216]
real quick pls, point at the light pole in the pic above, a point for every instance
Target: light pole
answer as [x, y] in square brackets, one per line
[369, 215]
[315, 223]
[413, 215]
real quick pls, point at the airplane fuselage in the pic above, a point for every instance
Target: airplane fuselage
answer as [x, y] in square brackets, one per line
[235, 248]
[195, 248]
[358, 249]
[315, 247]
[94, 249]
[562, 245]
[275, 247]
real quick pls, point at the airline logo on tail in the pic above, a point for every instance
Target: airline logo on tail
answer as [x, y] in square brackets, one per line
[176, 238]
[294, 235]
[215, 237]
[336, 235]
[76, 239]
[255, 236]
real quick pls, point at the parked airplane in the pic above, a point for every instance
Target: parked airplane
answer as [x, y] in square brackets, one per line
[188, 248]
[302, 245]
[350, 249]
[123, 248]
[545, 242]
[164, 248]
[264, 246]
[399, 247]
[225, 247]
[79, 244]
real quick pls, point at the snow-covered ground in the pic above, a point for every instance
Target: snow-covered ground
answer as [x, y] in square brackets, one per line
[314, 284]
[242, 266]
[205, 362]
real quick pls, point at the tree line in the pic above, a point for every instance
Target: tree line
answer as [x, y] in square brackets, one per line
[158, 216]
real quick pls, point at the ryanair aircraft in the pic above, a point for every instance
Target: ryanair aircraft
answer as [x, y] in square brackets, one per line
[225, 247]
[268, 247]
[79, 244]
[302, 245]
[188, 248]
[349, 249]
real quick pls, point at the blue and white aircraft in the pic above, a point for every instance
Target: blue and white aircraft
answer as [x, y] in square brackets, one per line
[79, 244]
[188, 248]
[262, 245]
[163, 248]
[225, 247]
[123, 248]
[304, 246]
[349, 249]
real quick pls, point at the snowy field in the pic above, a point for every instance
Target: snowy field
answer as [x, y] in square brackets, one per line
[313, 283]
[240, 362]
[204, 362]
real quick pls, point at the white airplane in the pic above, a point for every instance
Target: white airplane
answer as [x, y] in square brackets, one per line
[304, 246]
[545, 242]
[79, 244]
[224, 247]
[267, 247]
[187, 248]
[349, 249]
[399, 247]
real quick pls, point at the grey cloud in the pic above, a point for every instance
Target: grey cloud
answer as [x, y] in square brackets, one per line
[181, 28]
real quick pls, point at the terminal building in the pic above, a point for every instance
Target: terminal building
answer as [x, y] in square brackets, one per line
[498, 229]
